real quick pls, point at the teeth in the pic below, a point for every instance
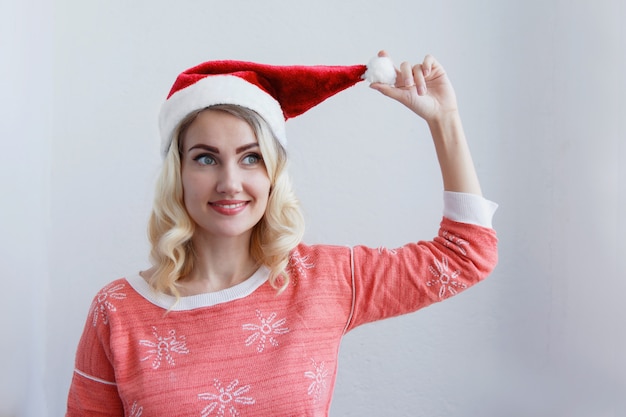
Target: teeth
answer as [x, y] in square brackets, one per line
[230, 206]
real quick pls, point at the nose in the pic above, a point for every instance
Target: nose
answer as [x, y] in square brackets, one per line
[230, 180]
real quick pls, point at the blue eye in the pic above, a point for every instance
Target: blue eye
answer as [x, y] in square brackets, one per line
[204, 159]
[252, 159]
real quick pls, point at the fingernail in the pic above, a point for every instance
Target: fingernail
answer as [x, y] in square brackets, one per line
[421, 90]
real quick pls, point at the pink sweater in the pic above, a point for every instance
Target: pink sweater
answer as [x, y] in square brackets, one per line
[247, 351]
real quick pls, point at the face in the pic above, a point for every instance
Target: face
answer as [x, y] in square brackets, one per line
[225, 182]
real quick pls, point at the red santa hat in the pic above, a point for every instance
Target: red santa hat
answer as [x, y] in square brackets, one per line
[277, 93]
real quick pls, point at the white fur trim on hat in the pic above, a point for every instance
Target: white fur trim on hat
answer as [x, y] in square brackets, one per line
[219, 89]
[380, 69]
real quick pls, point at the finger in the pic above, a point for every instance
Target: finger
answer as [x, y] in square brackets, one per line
[406, 79]
[428, 64]
[420, 81]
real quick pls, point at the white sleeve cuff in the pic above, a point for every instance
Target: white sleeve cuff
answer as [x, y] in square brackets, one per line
[468, 208]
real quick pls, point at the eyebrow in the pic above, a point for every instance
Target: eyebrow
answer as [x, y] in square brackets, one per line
[213, 149]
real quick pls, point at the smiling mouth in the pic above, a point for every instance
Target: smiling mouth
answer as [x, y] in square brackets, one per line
[229, 206]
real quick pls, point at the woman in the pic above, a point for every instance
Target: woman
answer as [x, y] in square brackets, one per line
[237, 316]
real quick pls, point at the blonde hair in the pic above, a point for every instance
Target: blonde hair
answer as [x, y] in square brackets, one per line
[170, 228]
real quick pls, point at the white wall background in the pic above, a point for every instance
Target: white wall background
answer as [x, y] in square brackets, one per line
[541, 86]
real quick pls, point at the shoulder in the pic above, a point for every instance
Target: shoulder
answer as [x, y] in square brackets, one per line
[126, 286]
[322, 253]
[120, 294]
[319, 261]
[116, 289]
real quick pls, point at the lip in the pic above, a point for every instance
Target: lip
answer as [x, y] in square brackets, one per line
[229, 207]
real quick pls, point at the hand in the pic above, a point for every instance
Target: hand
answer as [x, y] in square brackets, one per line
[423, 88]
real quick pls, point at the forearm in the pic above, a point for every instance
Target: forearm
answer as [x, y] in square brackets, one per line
[455, 160]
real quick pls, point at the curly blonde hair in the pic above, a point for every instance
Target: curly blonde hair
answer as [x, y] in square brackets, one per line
[170, 228]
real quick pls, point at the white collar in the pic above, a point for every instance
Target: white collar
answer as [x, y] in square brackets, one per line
[168, 302]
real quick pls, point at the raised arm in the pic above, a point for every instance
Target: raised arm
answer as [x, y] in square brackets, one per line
[426, 90]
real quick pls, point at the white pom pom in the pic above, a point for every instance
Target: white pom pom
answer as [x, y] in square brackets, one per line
[380, 69]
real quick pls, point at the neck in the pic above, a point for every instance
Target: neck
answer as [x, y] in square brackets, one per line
[219, 264]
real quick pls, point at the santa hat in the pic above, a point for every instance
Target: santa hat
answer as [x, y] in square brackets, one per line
[276, 93]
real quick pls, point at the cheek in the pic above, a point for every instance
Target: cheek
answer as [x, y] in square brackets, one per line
[193, 188]
[258, 183]
[262, 187]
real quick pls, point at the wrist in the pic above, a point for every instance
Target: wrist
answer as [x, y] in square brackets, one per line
[444, 120]
[446, 127]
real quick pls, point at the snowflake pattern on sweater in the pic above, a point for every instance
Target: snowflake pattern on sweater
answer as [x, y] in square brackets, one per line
[259, 353]
[136, 410]
[225, 399]
[103, 303]
[318, 377]
[266, 331]
[164, 347]
[444, 279]
[298, 266]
